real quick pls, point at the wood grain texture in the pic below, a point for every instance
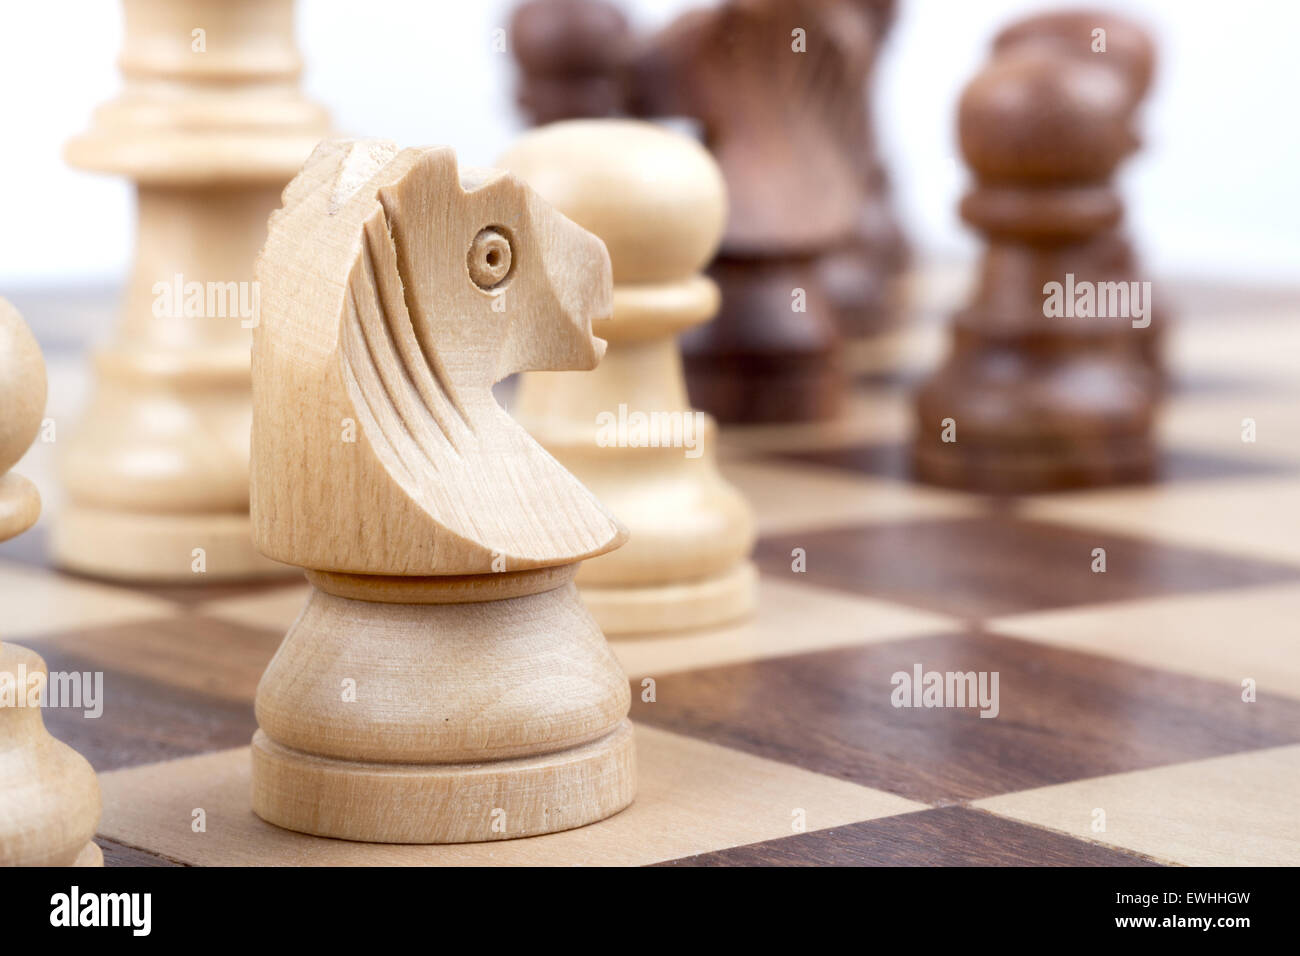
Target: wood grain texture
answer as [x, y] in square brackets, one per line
[118, 854]
[145, 721]
[452, 802]
[694, 797]
[657, 200]
[791, 618]
[179, 683]
[185, 651]
[977, 567]
[442, 683]
[1235, 809]
[1063, 716]
[369, 317]
[948, 836]
[1188, 633]
[444, 669]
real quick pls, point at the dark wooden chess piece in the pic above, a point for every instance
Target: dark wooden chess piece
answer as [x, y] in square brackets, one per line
[572, 54]
[777, 87]
[1039, 391]
[1109, 40]
[1121, 44]
[771, 115]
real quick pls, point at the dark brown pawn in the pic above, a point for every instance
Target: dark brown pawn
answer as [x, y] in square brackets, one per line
[1040, 403]
[1130, 51]
[1129, 48]
[571, 56]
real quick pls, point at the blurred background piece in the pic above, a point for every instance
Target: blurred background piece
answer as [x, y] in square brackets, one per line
[157, 471]
[1031, 398]
[49, 799]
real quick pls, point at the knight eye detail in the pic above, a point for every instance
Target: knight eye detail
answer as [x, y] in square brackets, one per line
[490, 257]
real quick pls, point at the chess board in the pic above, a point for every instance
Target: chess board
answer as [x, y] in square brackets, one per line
[1122, 736]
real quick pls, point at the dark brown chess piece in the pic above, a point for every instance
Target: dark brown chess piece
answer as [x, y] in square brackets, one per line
[1121, 43]
[777, 87]
[765, 79]
[572, 54]
[1039, 391]
[1109, 40]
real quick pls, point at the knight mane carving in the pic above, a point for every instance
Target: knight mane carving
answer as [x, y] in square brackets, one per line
[395, 291]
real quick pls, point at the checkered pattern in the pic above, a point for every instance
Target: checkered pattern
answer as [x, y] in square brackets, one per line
[1122, 736]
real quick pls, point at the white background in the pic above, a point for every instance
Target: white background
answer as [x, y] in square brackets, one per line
[1214, 193]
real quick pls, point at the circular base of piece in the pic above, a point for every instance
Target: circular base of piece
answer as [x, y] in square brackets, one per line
[684, 606]
[444, 803]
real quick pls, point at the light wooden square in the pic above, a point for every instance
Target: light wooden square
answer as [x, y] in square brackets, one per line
[1238, 810]
[273, 610]
[37, 602]
[1213, 425]
[694, 797]
[791, 619]
[802, 497]
[1252, 517]
[1225, 636]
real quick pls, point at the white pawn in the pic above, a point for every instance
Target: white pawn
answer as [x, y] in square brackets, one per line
[626, 429]
[49, 798]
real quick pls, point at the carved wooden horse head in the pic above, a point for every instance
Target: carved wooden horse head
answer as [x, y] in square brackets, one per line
[396, 290]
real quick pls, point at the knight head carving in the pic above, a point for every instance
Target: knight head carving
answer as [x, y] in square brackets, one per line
[509, 283]
[396, 289]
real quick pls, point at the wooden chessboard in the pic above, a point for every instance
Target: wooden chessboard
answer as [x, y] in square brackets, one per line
[775, 740]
